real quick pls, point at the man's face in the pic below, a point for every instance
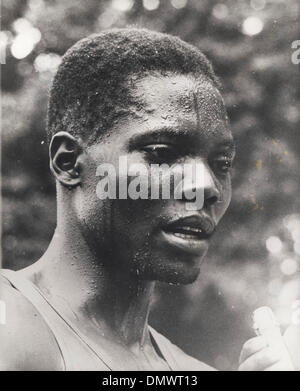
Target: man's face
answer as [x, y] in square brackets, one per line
[178, 120]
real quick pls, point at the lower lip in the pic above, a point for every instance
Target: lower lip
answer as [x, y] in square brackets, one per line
[189, 245]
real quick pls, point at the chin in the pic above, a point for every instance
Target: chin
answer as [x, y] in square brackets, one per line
[184, 280]
[178, 274]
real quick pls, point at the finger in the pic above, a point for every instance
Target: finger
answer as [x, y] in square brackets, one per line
[252, 346]
[261, 360]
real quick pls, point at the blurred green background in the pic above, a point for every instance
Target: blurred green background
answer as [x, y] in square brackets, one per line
[255, 256]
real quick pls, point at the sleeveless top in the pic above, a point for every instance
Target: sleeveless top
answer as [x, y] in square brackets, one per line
[78, 352]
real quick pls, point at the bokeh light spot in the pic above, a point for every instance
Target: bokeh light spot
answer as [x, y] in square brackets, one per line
[26, 39]
[252, 26]
[21, 25]
[179, 3]
[122, 5]
[274, 244]
[289, 266]
[292, 222]
[151, 5]
[220, 11]
[21, 47]
[47, 62]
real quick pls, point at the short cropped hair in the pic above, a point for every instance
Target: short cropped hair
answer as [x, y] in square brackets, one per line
[91, 88]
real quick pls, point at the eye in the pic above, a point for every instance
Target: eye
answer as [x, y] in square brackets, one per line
[161, 153]
[222, 165]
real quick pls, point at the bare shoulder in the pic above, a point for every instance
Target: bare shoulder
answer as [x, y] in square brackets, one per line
[184, 361]
[26, 342]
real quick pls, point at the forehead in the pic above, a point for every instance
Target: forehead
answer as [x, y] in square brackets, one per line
[179, 108]
[187, 94]
[180, 102]
[178, 90]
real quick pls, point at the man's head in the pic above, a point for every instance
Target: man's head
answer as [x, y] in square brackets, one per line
[152, 99]
[91, 89]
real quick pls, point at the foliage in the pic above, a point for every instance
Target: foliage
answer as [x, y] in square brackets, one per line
[254, 258]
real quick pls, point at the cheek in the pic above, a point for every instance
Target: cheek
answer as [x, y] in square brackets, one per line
[92, 212]
[221, 207]
[135, 220]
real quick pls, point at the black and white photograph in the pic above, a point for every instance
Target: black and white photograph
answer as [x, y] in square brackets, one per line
[150, 182]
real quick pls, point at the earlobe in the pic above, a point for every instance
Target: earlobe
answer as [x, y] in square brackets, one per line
[64, 151]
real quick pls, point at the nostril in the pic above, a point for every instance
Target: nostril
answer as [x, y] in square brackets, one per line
[211, 200]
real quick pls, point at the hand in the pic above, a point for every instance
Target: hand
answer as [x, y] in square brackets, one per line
[256, 355]
[292, 342]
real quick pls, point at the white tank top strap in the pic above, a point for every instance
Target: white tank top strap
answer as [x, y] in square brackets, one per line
[62, 332]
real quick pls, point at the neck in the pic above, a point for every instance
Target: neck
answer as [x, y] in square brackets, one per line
[84, 284]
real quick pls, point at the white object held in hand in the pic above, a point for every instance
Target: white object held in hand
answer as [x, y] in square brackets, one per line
[266, 325]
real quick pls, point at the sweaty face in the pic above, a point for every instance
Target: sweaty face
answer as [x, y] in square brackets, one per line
[179, 120]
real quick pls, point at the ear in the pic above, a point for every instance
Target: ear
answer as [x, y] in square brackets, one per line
[64, 154]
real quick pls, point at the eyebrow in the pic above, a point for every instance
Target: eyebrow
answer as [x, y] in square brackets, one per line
[160, 131]
[178, 134]
[156, 133]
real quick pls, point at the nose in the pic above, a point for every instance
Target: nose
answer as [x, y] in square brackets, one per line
[204, 183]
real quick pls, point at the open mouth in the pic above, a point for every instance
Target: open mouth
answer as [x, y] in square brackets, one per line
[190, 234]
[195, 227]
[187, 232]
